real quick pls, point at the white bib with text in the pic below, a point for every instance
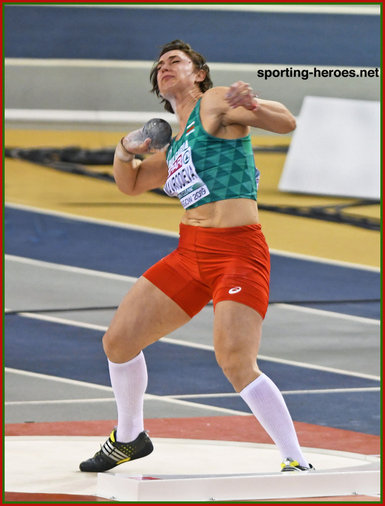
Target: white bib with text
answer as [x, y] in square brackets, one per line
[183, 181]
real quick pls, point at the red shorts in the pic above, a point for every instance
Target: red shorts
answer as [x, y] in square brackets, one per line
[215, 263]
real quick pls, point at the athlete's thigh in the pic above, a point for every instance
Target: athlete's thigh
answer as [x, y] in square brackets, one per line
[145, 315]
[237, 330]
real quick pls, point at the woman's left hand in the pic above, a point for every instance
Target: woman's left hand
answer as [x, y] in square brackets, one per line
[240, 94]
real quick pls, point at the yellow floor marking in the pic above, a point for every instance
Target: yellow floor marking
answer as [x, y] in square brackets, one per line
[34, 185]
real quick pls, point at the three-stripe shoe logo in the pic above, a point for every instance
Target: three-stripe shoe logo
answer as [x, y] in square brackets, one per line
[113, 453]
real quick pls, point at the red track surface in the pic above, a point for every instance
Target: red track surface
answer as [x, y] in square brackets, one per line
[222, 428]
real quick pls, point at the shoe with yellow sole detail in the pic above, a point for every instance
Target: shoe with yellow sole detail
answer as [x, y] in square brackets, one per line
[113, 453]
[290, 465]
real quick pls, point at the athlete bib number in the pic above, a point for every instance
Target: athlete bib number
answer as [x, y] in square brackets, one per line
[183, 181]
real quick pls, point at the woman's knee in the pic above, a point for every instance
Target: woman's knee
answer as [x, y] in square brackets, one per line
[118, 347]
[108, 343]
[238, 367]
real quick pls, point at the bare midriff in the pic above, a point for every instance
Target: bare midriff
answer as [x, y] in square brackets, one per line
[223, 213]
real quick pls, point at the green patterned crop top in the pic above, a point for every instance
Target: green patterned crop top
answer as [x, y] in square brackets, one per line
[203, 168]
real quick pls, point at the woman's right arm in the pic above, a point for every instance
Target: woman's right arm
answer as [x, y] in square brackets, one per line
[134, 176]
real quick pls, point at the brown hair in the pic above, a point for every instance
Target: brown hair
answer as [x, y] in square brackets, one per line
[198, 60]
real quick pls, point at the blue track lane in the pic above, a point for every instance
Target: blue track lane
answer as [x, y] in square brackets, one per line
[130, 252]
[136, 34]
[76, 353]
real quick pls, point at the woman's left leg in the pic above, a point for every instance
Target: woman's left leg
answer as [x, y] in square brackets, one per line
[237, 336]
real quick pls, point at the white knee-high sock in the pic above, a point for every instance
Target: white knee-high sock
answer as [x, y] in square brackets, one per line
[268, 406]
[129, 382]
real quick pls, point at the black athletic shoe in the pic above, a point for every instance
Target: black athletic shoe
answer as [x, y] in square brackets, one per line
[290, 465]
[113, 453]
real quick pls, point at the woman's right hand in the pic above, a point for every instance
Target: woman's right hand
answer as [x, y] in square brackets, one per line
[134, 142]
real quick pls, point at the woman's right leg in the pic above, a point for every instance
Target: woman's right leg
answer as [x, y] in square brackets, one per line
[145, 315]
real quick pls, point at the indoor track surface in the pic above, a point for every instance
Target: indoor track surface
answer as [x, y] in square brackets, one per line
[74, 245]
[69, 261]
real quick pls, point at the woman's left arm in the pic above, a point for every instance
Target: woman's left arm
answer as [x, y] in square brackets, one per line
[246, 109]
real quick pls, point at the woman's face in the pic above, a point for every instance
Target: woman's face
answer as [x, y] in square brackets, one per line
[175, 71]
